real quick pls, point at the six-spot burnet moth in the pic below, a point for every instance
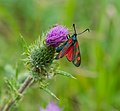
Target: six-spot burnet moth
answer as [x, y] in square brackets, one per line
[70, 49]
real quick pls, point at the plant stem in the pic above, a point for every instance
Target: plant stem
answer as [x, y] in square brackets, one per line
[29, 80]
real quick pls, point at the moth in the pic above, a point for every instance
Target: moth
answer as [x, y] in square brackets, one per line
[70, 48]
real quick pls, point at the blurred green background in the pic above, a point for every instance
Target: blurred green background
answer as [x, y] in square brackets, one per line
[97, 87]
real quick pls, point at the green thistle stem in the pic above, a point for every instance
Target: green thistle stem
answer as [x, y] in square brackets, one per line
[21, 90]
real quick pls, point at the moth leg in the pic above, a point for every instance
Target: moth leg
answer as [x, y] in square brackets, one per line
[68, 36]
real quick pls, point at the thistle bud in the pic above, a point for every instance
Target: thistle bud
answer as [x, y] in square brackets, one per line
[41, 56]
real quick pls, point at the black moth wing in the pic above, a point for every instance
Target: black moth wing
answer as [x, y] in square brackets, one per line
[76, 55]
[65, 49]
[58, 49]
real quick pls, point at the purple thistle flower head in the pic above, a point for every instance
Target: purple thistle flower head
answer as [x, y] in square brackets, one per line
[56, 36]
[51, 107]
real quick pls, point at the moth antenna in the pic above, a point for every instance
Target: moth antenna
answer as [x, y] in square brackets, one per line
[74, 28]
[84, 31]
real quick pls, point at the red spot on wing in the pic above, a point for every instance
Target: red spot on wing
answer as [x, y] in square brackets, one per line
[70, 41]
[70, 54]
[77, 52]
[77, 45]
[78, 58]
[60, 54]
[75, 62]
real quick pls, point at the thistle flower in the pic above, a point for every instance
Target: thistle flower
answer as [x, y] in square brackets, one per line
[56, 35]
[51, 107]
[41, 56]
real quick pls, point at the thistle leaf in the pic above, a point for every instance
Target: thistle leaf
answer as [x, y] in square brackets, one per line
[44, 87]
[65, 73]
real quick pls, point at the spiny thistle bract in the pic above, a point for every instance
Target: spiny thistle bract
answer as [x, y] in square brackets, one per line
[41, 53]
